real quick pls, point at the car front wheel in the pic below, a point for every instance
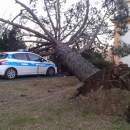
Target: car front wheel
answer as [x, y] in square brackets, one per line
[10, 73]
[50, 71]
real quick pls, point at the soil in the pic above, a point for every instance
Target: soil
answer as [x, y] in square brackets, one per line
[108, 78]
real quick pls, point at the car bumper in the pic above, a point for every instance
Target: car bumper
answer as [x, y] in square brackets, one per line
[3, 69]
[55, 70]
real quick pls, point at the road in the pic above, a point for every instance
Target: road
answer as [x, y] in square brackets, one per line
[20, 78]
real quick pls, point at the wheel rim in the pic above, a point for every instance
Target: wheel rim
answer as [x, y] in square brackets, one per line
[51, 71]
[11, 73]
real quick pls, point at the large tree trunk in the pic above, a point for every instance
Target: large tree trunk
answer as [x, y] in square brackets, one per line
[79, 66]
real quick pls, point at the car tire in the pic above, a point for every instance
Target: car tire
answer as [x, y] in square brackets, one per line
[50, 72]
[10, 73]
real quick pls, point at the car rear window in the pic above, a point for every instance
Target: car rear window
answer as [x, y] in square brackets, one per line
[3, 55]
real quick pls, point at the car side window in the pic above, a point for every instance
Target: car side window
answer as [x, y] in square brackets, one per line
[20, 56]
[34, 57]
[3, 56]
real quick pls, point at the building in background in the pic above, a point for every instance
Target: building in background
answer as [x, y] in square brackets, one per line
[125, 39]
[109, 56]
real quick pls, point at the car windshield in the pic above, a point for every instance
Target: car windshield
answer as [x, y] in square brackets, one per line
[3, 55]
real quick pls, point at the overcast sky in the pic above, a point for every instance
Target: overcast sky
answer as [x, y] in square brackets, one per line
[8, 7]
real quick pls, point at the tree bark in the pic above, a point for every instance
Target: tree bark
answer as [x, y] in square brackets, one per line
[79, 66]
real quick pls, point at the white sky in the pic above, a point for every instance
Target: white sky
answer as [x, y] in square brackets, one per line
[9, 7]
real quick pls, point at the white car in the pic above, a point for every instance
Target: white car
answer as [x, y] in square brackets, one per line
[13, 64]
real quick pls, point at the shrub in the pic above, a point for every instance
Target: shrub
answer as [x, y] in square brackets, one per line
[101, 63]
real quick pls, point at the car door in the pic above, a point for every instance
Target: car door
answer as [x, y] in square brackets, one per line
[36, 63]
[22, 64]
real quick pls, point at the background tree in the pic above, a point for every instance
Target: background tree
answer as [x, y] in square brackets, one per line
[11, 40]
[62, 29]
[122, 50]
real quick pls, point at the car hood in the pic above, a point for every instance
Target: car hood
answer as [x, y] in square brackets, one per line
[50, 63]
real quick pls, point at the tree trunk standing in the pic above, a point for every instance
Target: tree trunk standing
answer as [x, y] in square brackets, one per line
[79, 66]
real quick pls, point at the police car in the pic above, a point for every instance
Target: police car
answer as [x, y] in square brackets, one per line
[13, 64]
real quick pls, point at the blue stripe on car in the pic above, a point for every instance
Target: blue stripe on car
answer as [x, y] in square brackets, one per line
[29, 64]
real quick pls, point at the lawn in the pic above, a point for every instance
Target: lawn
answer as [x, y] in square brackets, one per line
[49, 105]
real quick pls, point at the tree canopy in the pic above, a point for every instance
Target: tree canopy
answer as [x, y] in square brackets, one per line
[79, 25]
[11, 39]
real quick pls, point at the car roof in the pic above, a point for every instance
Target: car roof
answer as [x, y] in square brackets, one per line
[14, 52]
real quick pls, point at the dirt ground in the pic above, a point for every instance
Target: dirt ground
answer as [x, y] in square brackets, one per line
[110, 77]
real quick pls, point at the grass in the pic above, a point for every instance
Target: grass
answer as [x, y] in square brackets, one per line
[85, 113]
[48, 105]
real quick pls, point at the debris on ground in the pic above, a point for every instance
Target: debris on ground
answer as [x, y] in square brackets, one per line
[108, 78]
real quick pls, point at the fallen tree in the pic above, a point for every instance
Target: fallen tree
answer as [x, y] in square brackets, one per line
[78, 20]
